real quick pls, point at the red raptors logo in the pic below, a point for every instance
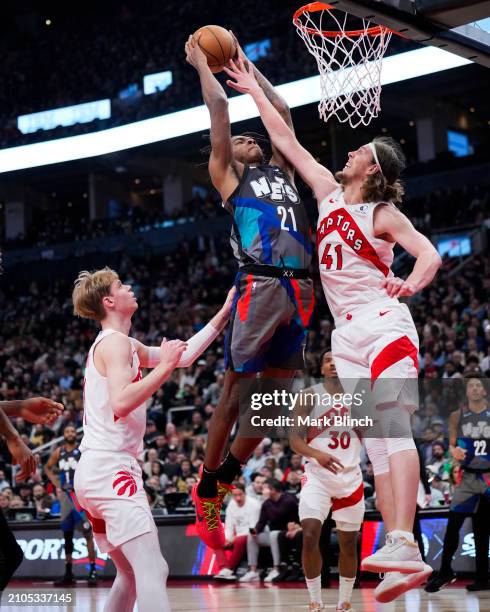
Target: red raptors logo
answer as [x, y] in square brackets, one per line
[123, 483]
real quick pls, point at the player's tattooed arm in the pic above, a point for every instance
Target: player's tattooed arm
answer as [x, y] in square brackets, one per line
[224, 170]
[316, 176]
[392, 225]
[278, 102]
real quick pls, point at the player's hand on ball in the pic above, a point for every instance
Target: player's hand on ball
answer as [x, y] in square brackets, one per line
[194, 55]
[245, 81]
[328, 462]
[239, 51]
[171, 351]
[22, 456]
[40, 410]
[458, 453]
[397, 287]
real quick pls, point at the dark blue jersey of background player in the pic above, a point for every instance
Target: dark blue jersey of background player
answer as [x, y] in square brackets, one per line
[469, 428]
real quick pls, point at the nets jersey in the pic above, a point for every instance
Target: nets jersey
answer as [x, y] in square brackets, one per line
[270, 224]
[352, 261]
[474, 436]
[102, 429]
[340, 441]
[67, 464]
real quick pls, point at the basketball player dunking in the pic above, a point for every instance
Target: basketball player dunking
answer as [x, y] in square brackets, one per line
[108, 481]
[332, 482]
[274, 299]
[60, 469]
[375, 337]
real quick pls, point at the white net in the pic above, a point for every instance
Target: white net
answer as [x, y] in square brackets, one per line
[349, 62]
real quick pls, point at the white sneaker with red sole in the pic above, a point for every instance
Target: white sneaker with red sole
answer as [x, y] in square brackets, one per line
[397, 555]
[395, 584]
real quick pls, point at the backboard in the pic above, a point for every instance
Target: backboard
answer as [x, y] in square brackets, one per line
[451, 25]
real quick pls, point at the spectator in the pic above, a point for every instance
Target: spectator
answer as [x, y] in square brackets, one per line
[242, 514]
[275, 514]
[256, 461]
[295, 463]
[256, 487]
[4, 484]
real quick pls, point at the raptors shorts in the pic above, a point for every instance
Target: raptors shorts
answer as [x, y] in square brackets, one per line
[379, 344]
[109, 487]
[322, 491]
[469, 491]
[269, 323]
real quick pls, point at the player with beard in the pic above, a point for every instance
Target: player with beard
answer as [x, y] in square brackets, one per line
[65, 458]
[375, 339]
[274, 299]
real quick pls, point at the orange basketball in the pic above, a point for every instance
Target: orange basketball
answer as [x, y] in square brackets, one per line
[218, 45]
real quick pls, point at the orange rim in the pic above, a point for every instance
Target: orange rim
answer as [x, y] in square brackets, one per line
[314, 7]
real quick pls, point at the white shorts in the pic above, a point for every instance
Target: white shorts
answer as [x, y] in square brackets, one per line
[109, 487]
[379, 343]
[322, 491]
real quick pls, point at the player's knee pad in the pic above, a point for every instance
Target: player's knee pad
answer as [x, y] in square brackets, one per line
[344, 526]
[396, 445]
[378, 455]
[68, 542]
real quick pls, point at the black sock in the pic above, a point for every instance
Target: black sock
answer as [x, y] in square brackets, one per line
[229, 469]
[68, 570]
[92, 566]
[208, 486]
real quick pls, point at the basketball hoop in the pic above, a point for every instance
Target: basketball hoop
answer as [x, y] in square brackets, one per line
[349, 61]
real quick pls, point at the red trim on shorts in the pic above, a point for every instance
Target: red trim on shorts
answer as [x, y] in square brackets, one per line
[351, 500]
[98, 525]
[367, 251]
[243, 303]
[305, 315]
[391, 354]
[74, 499]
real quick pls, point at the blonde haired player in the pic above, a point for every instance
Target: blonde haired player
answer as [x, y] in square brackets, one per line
[332, 481]
[375, 338]
[108, 482]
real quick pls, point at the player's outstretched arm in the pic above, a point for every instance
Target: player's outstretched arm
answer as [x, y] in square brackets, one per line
[392, 225]
[115, 354]
[38, 410]
[197, 344]
[225, 172]
[279, 103]
[321, 180]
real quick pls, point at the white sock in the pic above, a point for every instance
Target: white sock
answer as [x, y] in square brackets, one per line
[398, 533]
[315, 589]
[345, 589]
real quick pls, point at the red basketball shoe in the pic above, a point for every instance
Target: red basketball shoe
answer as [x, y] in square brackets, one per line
[208, 522]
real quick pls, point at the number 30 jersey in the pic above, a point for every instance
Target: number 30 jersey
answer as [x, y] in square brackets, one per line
[270, 223]
[353, 262]
[339, 440]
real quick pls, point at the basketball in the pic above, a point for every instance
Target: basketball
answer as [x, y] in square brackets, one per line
[218, 45]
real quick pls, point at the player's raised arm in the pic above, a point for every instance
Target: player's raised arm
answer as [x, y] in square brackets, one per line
[321, 180]
[279, 103]
[225, 172]
[392, 225]
[150, 356]
[115, 354]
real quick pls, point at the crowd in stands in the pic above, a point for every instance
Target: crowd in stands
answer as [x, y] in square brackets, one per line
[84, 56]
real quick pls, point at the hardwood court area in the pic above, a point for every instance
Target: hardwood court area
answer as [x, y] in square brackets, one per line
[189, 596]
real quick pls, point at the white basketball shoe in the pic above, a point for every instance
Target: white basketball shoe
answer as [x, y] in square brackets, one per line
[395, 584]
[397, 555]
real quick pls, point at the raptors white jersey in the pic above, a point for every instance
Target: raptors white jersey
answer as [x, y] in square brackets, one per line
[353, 262]
[341, 441]
[102, 429]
